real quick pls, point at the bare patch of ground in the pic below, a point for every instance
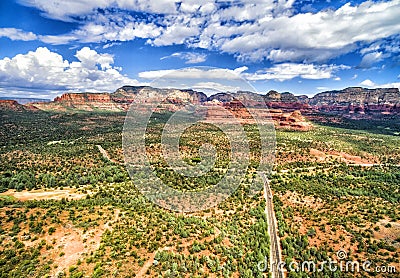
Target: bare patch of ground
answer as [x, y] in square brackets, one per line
[343, 157]
[53, 194]
[74, 244]
[388, 231]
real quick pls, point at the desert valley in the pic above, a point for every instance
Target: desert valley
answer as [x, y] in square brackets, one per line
[69, 208]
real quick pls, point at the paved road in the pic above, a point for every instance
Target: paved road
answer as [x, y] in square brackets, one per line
[275, 248]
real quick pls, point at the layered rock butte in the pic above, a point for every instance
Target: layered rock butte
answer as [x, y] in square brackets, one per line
[121, 99]
[285, 109]
[7, 105]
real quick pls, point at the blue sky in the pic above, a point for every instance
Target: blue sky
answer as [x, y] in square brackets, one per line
[305, 47]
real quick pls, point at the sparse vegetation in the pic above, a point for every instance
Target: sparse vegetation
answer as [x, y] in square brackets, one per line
[323, 203]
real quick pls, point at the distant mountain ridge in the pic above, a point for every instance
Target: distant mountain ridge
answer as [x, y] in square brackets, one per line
[353, 102]
[13, 105]
[25, 100]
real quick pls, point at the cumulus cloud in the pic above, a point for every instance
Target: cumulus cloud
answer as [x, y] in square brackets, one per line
[189, 57]
[49, 72]
[368, 83]
[327, 32]
[371, 84]
[287, 71]
[251, 30]
[390, 85]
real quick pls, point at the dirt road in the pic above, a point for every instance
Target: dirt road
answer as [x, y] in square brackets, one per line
[275, 248]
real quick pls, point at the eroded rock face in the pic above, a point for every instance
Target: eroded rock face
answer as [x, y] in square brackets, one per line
[80, 101]
[286, 101]
[121, 99]
[359, 101]
[149, 94]
[83, 97]
[290, 120]
[358, 95]
[286, 109]
[354, 102]
[12, 105]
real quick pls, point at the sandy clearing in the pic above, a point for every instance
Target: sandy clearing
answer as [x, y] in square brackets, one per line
[71, 242]
[53, 194]
[344, 157]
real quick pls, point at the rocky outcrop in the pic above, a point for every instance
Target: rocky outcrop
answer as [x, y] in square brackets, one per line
[286, 101]
[80, 98]
[243, 106]
[357, 95]
[290, 120]
[12, 105]
[121, 99]
[81, 101]
[358, 102]
[353, 102]
[286, 109]
[129, 93]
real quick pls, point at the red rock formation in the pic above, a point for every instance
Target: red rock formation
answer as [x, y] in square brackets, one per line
[11, 105]
[358, 102]
[81, 101]
[290, 120]
[350, 102]
[83, 97]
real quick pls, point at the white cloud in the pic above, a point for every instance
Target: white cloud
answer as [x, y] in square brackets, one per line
[212, 87]
[249, 9]
[153, 74]
[371, 58]
[327, 32]
[17, 34]
[106, 32]
[90, 59]
[391, 85]
[191, 73]
[287, 71]
[108, 45]
[60, 39]
[373, 47]
[250, 30]
[189, 57]
[201, 78]
[65, 10]
[176, 34]
[368, 83]
[47, 71]
[281, 72]
[240, 70]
